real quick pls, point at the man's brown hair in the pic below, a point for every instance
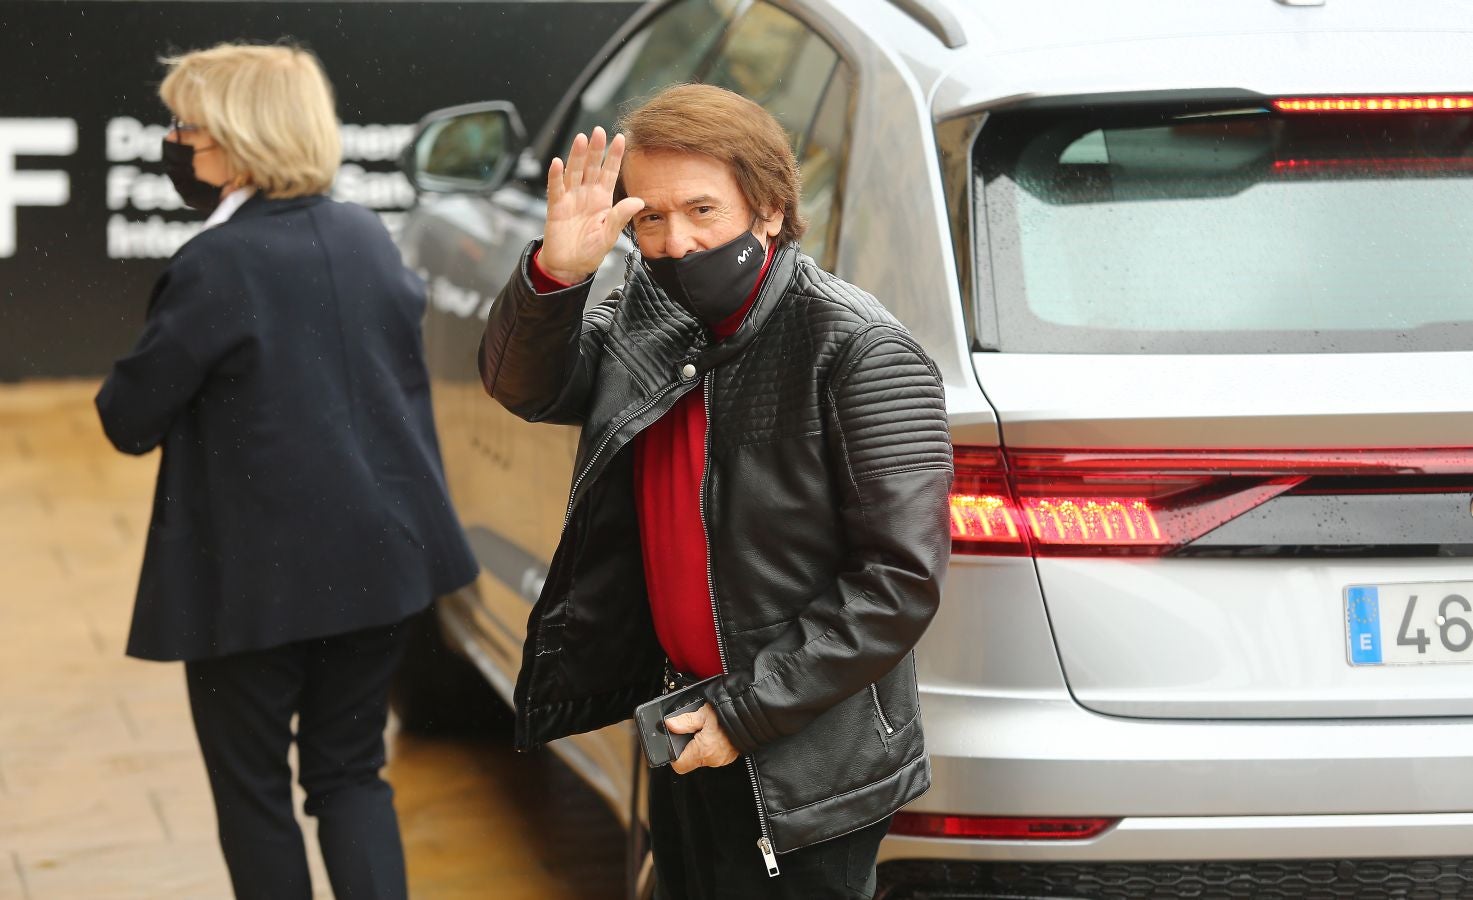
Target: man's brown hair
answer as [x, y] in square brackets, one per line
[712, 121]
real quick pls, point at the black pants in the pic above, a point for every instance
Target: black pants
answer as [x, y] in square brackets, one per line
[704, 831]
[243, 706]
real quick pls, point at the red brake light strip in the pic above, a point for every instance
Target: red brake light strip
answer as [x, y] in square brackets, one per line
[998, 828]
[1412, 104]
[1081, 502]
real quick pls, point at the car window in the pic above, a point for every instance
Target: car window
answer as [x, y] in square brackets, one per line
[823, 153]
[777, 61]
[669, 49]
[1183, 229]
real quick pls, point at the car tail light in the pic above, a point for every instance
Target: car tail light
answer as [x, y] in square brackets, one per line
[984, 516]
[997, 828]
[1080, 503]
[1413, 104]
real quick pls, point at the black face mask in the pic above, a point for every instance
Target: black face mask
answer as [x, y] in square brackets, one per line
[711, 284]
[179, 165]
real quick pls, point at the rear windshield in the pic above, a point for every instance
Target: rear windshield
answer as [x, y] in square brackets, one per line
[1220, 228]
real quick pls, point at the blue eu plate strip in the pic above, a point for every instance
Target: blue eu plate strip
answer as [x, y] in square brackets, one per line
[1363, 612]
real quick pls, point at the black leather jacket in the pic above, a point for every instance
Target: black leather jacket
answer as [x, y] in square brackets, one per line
[825, 506]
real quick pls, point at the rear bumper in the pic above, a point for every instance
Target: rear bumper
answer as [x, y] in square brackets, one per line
[1262, 810]
[1184, 838]
[1195, 790]
[1325, 879]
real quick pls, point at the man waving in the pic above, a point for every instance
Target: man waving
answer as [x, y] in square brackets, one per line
[760, 495]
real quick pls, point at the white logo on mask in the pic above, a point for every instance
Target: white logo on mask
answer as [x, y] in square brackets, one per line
[743, 258]
[31, 137]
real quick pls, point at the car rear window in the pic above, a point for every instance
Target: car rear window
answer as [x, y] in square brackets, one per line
[1227, 227]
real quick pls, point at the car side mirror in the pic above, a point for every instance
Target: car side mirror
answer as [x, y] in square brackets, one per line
[464, 149]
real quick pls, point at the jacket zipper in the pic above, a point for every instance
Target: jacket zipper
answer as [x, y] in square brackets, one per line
[588, 467]
[879, 710]
[764, 843]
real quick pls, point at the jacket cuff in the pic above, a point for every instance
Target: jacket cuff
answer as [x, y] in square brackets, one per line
[537, 280]
[530, 304]
[542, 282]
[742, 719]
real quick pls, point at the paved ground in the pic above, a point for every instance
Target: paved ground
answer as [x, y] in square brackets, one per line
[102, 793]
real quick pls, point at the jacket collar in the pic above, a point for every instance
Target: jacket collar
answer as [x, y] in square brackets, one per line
[653, 311]
[261, 205]
[774, 287]
[232, 202]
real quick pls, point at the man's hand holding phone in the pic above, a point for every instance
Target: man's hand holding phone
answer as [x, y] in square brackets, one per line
[708, 746]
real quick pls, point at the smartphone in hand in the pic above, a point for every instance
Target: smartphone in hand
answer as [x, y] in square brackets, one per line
[661, 746]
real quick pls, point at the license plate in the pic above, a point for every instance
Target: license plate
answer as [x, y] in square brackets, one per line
[1408, 624]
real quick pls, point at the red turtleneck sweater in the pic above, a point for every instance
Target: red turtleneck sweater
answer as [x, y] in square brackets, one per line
[669, 463]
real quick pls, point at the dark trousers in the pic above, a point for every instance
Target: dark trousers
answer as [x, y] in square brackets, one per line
[704, 831]
[243, 706]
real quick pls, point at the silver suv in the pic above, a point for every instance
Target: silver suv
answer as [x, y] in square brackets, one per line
[1198, 278]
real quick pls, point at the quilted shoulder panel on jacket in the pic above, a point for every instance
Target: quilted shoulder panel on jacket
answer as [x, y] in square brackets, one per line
[886, 391]
[891, 406]
[776, 389]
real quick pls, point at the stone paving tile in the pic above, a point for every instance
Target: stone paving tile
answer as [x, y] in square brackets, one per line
[11, 886]
[188, 870]
[106, 597]
[28, 571]
[156, 713]
[143, 765]
[30, 625]
[56, 718]
[185, 807]
[70, 815]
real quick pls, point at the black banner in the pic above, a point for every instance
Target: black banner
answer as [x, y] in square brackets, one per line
[87, 217]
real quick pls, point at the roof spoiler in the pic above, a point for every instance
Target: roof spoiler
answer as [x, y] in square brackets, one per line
[935, 18]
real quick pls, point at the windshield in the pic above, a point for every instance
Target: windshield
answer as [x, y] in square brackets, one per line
[1228, 228]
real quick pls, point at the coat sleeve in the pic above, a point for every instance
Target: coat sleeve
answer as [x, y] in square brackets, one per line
[195, 318]
[540, 352]
[888, 413]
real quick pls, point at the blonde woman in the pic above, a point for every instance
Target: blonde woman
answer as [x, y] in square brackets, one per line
[301, 513]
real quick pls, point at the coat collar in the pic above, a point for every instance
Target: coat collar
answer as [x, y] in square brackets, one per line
[769, 296]
[228, 206]
[651, 311]
[262, 205]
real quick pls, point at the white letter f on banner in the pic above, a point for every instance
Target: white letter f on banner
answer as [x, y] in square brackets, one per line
[31, 137]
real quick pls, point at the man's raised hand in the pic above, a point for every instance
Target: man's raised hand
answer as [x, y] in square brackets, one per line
[583, 222]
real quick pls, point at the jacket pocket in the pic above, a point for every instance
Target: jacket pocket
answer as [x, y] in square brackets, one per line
[885, 726]
[895, 698]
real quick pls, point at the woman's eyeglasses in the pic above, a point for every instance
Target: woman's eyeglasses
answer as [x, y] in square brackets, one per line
[179, 127]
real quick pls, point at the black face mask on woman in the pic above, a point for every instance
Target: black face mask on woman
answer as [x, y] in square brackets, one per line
[179, 165]
[711, 284]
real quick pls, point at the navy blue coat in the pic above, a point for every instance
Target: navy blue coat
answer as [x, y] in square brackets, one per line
[300, 491]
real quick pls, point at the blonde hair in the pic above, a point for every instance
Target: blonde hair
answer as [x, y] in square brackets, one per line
[270, 108]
